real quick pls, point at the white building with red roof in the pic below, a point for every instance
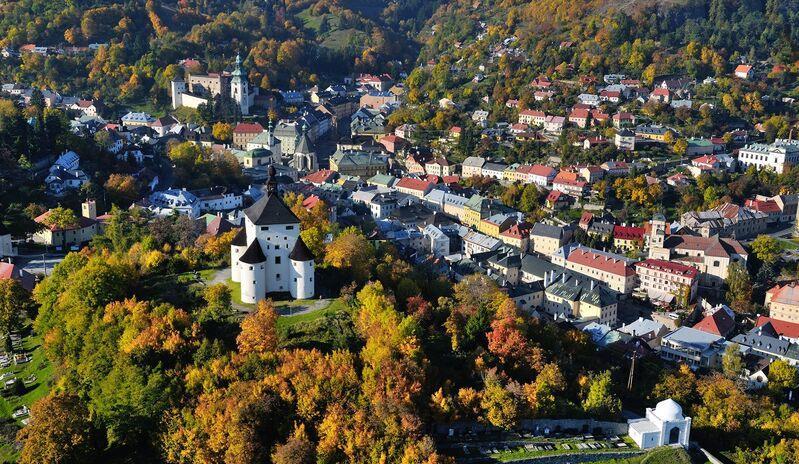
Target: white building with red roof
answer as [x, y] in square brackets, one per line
[666, 280]
[782, 300]
[744, 71]
[415, 187]
[616, 271]
[569, 183]
[532, 117]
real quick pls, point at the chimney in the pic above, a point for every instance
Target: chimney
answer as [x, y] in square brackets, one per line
[563, 278]
[593, 284]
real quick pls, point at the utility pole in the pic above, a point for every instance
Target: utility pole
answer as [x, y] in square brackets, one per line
[632, 373]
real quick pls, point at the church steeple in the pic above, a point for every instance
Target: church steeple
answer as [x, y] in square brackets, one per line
[239, 87]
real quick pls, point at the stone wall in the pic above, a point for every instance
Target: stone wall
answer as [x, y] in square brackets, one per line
[583, 426]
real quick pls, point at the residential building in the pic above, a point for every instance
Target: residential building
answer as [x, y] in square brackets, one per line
[532, 117]
[439, 167]
[726, 220]
[358, 163]
[494, 170]
[472, 166]
[777, 156]
[667, 281]
[782, 300]
[575, 296]
[81, 232]
[625, 140]
[414, 187]
[245, 132]
[712, 256]
[718, 321]
[475, 242]
[547, 239]
[615, 271]
[744, 71]
[692, 347]
[14, 272]
[626, 238]
[554, 124]
[569, 183]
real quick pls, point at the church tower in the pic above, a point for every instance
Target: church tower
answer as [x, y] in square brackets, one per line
[178, 87]
[657, 238]
[239, 88]
[304, 156]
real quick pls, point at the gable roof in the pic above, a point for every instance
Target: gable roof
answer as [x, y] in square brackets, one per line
[269, 210]
[719, 323]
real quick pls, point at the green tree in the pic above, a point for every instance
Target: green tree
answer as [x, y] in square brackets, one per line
[14, 300]
[767, 249]
[62, 218]
[600, 399]
[731, 361]
[782, 375]
[739, 288]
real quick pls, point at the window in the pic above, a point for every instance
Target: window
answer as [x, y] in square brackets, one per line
[289, 227]
[295, 279]
[264, 227]
[277, 259]
[277, 276]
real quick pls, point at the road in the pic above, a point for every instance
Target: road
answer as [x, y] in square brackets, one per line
[39, 262]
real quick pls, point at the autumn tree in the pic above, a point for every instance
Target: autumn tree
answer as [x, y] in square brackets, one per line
[258, 332]
[543, 394]
[350, 251]
[781, 376]
[60, 431]
[679, 385]
[122, 189]
[223, 131]
[298, 449]
[500, 406]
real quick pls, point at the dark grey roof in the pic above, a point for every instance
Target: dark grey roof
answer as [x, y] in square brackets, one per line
[536, 266]
[269, 210]
[545, 230]
[301, 252]
[241, 238]
[602, 228]
[254, 254]
[303, 145]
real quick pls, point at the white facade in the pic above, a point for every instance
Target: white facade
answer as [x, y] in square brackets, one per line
[782, 153]
[663, 425]
[269, 256]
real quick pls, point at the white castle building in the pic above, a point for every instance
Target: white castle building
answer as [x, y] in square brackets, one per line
[268, 255]
[663, 425]
[203, 88]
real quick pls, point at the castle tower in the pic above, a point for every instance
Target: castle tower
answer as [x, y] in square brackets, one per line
[178, 87]
[268, 256]
[239, 88]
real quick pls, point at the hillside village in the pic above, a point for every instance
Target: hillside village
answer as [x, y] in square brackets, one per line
[651, 215]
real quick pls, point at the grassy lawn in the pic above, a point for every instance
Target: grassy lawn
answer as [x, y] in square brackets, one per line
[786, 244]
[664, 455]
[38, 366]
[284, 322]
[235, 294]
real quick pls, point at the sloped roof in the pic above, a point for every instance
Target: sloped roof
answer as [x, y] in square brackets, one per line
[254, 254]
[301, 251]
[719, 323]
[241, 238]
[269, 210]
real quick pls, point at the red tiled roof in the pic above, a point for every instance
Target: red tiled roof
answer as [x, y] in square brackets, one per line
[578, 114]
[554, 195]
[534, 113]
[586, 218]
[785, 294]
[83, 222]
[311, 201]
[248, 128]
[319, 177]
[669, 267]
[764, 206]
[784, 328]
[600, 261]
[719, 323]
[455, 129]
[517, 231]
[413, 184]
[661, 92]
[628, 233]
[451, 179]
[744, 68]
